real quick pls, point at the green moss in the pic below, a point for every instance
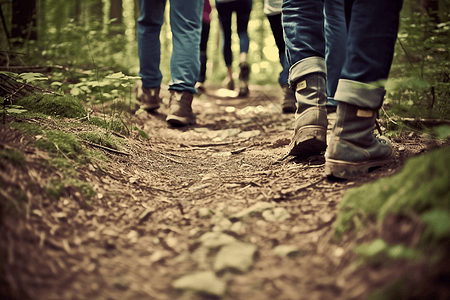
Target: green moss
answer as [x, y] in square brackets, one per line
[422, 185]
[14, 156]
[60, 142]
[57, 188]
[66, 106]
[116, 125]
[100, 138]
[26, 128]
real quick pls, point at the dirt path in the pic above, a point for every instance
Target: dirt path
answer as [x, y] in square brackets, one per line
[212, 200]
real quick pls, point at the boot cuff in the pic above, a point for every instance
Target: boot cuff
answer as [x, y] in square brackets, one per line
[360, 94]
[314, 64]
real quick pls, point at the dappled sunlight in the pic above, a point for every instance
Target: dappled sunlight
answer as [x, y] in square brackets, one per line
[226, 93]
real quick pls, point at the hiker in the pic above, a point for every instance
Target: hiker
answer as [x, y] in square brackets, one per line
[272, 9]
[335, 34]
[225, 9]
[185, 23]
[206, 25]
[372, 28]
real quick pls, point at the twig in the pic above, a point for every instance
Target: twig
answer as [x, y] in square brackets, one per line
[107, 148]
[213, 144]
[171, 159]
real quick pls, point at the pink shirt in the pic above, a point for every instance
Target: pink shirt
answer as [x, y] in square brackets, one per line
[206, 11]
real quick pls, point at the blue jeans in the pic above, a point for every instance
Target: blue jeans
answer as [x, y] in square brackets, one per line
[316, 29]
[371, 34]
[225, 10]
[185, 23]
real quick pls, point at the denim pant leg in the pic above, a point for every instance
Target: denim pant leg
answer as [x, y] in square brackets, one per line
[151, 18]
[303, 24]
[186, 25]
[372, 33]
[335, 44]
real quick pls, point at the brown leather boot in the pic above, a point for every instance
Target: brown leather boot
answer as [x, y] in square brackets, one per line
[149, 97]
[180, 109]
[311, 116]
[289, 104]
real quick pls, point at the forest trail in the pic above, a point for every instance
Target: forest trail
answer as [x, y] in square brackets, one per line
[211, 208]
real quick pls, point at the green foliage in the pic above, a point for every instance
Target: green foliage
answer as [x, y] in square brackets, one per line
[54, 105]
[437, 224]
[378, 250]
[60, 142]
[420, 84]
[141, 132]
[442, 132]
[423, 185]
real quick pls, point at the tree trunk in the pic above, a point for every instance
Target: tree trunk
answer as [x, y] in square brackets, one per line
[24, 20]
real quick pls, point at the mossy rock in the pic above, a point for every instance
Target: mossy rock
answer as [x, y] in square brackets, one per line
[422, 185]
[66, 106]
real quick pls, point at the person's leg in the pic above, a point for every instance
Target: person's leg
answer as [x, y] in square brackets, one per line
[224, 11]
[243, 9]
[372, 32]
[335, 45]
[305, 48]
[277, 30]
[185, 23]
[151, 18]
[203, 47]
[289, 102]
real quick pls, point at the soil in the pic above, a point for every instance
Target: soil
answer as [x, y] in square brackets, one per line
[142, 229]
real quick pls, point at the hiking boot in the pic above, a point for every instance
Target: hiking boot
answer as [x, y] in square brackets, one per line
[228, 83]
[149, 97]
[180, 109]
[311, 116]
[289, 104]
[200, 87]
[243, 79]
[353, 148]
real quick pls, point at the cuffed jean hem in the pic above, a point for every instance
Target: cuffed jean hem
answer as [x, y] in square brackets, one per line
[360, 94]
[309, 65]
[183, 88]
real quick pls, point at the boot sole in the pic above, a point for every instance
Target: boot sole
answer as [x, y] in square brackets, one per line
[348, 170]
[148, 108]
[179, 121]
[309, 140]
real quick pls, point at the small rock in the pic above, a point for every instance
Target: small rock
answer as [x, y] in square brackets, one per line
[205, 282]
[236, 256]
[286, 250]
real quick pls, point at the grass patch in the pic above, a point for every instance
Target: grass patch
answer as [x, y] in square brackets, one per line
[116, 125]
[141, 132]
[55, 141]
[100, 139]
[26, 128]
[14, 156]
[67, 106]
[57, 188]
